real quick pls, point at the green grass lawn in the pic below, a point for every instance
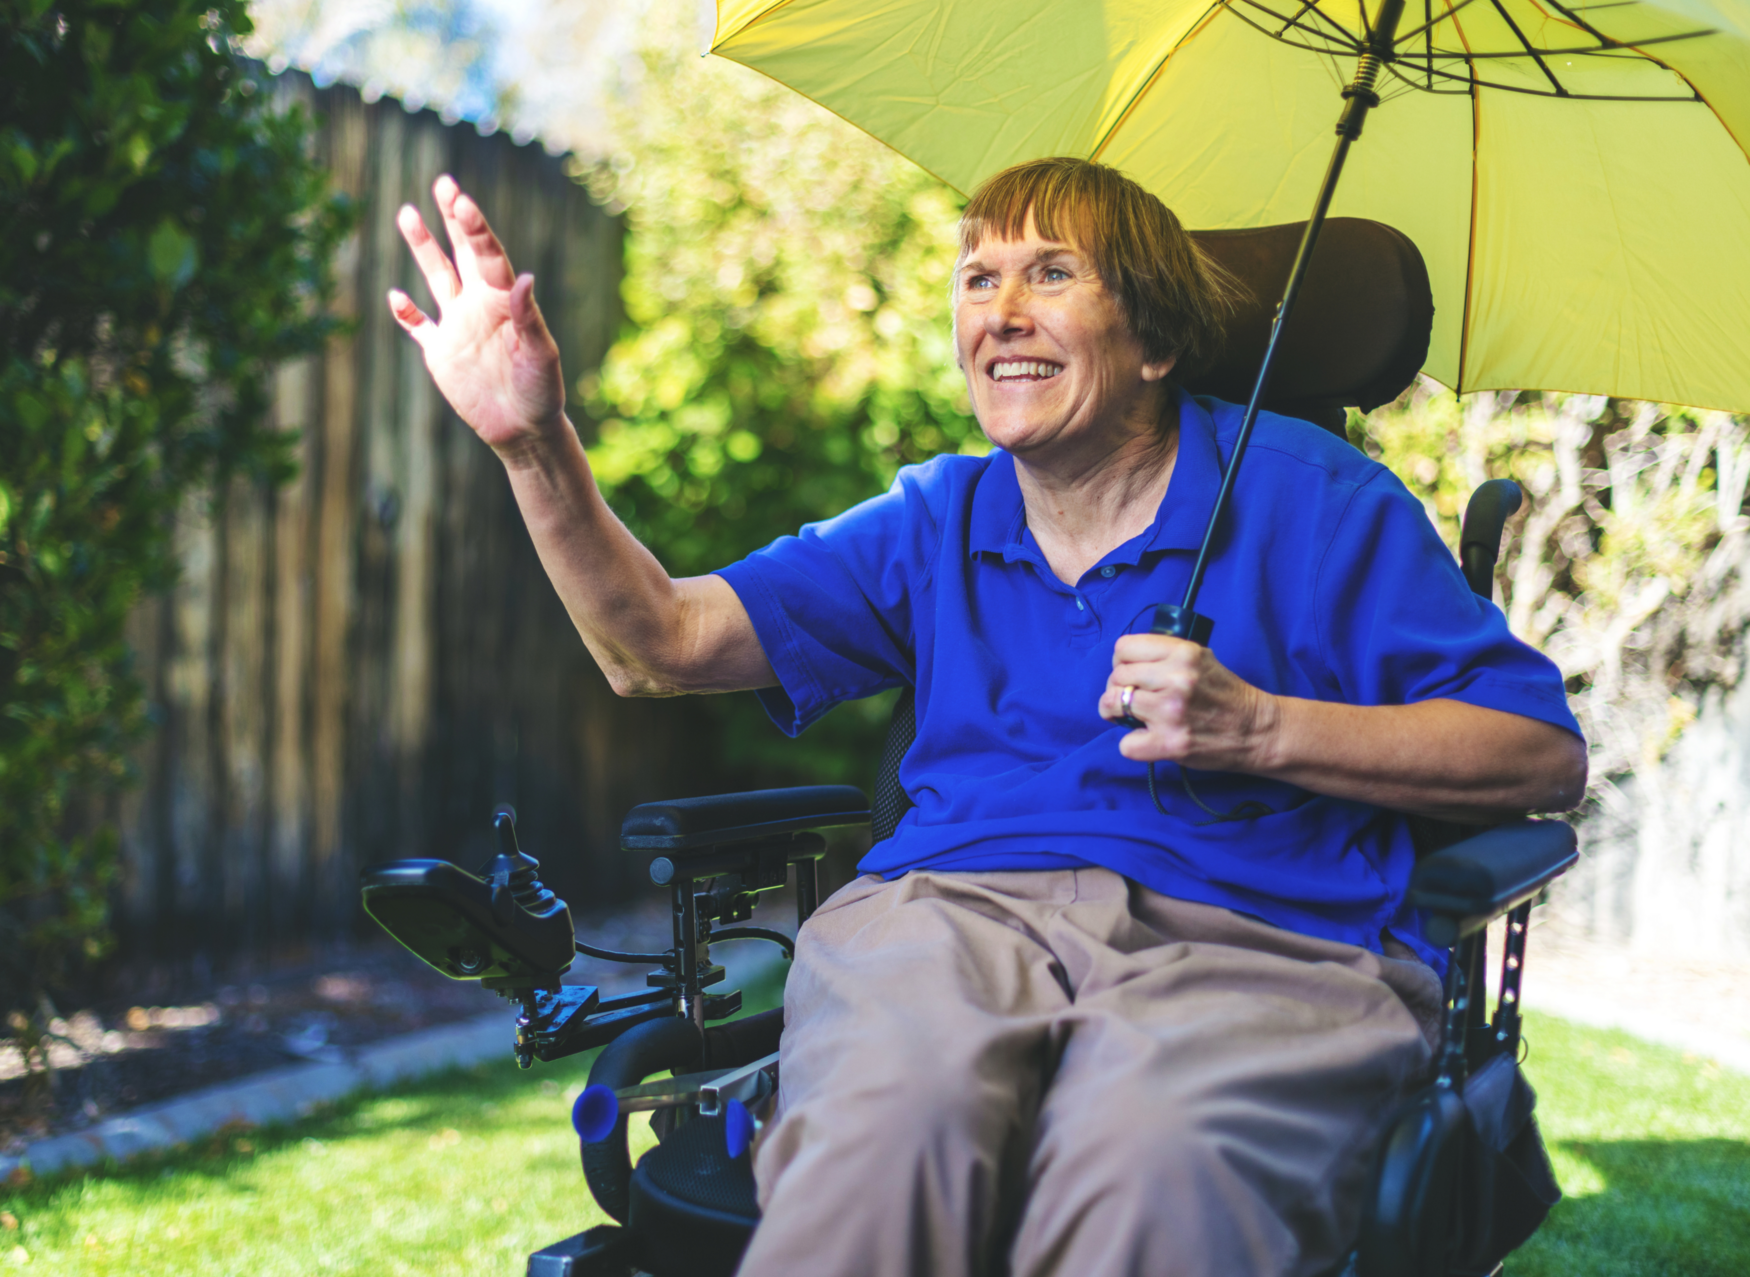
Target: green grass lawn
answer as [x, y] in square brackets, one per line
[1652, 1149]
[466, 1173]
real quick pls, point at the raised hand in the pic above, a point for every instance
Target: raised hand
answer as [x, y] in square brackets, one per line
[489, 351]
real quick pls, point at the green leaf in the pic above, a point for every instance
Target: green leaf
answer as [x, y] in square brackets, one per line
[138, 152]
[172, 254]
[23, 160]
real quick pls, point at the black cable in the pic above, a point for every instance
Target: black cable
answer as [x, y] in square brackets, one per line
[1248, 810]
[778, 938]
[614, 955]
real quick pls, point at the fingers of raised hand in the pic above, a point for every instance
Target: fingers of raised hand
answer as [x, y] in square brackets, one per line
[417, 323]
[433, 262]
[523, 311]
[479, 255]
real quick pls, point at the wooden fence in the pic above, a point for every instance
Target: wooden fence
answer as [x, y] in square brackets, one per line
[360, 665]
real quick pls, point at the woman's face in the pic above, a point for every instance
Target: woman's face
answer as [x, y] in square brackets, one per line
[1052, 366]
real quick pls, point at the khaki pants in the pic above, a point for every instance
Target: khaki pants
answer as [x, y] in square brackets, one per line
[1063, 1072]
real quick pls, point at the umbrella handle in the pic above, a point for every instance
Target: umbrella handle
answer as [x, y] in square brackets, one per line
[1358, 98]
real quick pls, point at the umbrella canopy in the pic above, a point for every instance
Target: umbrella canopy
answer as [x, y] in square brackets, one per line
[1576, 177]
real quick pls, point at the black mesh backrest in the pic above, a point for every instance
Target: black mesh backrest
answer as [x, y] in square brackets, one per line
[891, 801]
[1358, 333]
[1357, 338]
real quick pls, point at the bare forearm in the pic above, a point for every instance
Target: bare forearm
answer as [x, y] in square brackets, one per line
[492, 356]
[651, 635]
[1437, 758]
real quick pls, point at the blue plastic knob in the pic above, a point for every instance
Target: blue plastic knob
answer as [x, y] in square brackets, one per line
[595, 1113]
[738, 1128]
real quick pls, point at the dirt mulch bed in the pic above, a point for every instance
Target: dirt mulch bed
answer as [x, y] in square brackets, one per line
[119, 1054]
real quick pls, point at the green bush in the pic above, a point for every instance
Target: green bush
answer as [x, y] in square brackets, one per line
[164, 239]
[787, 277]
[786, 280]
[1626, 564]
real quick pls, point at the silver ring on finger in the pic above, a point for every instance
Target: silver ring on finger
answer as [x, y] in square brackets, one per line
[1124, 701]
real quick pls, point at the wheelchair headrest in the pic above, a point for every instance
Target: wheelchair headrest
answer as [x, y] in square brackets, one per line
[1359, 331]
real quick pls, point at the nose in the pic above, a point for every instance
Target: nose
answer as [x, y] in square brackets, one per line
[1009, 314]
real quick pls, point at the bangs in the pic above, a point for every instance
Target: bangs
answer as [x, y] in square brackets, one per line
[1060, 196]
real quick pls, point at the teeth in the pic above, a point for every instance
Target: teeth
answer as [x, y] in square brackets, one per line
[1023, 368]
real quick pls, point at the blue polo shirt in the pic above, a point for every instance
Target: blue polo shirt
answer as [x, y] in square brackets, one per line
[1328, 582]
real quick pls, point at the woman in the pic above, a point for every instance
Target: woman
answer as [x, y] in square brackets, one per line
[1053, 1028]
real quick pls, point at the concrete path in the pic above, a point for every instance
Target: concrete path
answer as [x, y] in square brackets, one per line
[1702, 1008]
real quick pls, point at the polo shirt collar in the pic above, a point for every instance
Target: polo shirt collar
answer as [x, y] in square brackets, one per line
[998, 517]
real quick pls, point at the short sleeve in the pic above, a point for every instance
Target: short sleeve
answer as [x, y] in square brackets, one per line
[1398, 623]
[833, 605]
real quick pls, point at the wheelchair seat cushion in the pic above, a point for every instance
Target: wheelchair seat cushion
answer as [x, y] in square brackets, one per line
[693, 1208]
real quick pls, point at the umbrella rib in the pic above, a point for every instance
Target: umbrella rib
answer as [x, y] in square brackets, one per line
[1590, 51]
[1351, 42]
[1418, 87]
[1520, 36]
[1190, 34]
[1458, 78]
[1428, 38]
[1298, 13]
[1325, 50]
[1451, 11]
[1664, 66]
[1470, 247]
[1571, 15]
[1426, 66]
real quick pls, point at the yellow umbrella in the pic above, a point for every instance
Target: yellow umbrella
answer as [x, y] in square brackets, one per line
[1576, 176]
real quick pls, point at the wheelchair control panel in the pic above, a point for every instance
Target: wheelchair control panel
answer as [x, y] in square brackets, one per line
[502, 927]
[705, 1089]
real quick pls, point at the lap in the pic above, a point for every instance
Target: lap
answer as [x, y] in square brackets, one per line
[1215, 1103]
[1090, 1048]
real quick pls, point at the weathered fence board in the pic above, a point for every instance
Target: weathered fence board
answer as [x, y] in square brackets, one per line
[361, 664]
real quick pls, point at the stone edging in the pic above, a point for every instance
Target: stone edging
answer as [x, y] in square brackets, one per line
[264, 1098]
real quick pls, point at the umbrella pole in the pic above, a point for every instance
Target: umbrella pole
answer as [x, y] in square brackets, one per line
[1183, 621]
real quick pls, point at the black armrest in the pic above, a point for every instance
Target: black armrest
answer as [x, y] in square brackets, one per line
[1470, 883]
[712, 821]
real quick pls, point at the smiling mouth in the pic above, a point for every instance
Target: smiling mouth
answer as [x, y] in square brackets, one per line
[1024, 370]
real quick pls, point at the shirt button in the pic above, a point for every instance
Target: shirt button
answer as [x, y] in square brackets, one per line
[1108, 570]
[1080, 606]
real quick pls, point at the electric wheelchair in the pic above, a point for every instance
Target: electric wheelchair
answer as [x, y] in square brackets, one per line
[1461, 1177]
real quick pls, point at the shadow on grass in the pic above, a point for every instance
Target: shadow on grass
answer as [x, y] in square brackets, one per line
[1674, 1208]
